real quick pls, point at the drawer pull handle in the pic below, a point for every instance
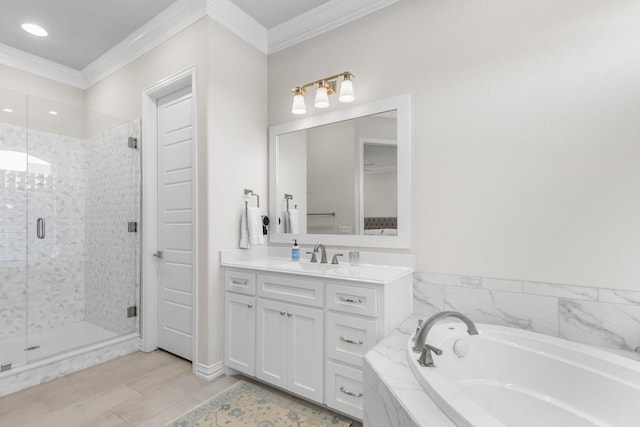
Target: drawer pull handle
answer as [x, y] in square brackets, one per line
[347, 340]
[239, 281]
[282, 313]
[289, 314]
[350, 393]
[250, 305]
[351, 300]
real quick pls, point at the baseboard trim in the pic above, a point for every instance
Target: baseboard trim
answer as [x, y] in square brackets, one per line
[209, 372]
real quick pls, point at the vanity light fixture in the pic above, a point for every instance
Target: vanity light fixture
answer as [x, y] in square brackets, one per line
[325, 87]
[35, 29]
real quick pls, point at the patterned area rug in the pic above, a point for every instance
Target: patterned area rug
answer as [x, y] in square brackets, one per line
[247, 404]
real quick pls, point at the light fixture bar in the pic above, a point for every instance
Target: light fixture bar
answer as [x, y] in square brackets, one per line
[325, 86]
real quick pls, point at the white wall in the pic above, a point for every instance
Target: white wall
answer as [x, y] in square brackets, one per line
[525, 125]
[292, 178]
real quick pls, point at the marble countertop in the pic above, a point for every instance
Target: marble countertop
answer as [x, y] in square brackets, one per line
[377, 274]
[410, 403]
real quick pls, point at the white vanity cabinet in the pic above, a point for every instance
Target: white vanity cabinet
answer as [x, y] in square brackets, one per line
[311, 331]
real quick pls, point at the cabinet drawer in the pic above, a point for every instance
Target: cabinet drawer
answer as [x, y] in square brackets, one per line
[240, 281]
[300, 291]
[344, 389]
[352, 300]
[349, 338]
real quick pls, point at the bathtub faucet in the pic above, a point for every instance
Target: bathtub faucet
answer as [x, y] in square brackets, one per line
[421, 346]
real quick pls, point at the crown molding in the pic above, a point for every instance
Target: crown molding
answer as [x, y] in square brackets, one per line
[41, 67]
[323, 18]
[239, 22]
[160, 28]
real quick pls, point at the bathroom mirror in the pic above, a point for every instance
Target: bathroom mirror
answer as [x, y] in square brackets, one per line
[343, 178]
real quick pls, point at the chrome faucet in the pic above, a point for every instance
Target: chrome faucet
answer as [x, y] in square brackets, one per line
[323, 253]
[420, 339]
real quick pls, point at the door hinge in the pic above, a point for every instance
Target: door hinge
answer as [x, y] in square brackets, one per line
[132, 311]
[132, 227]
[133, 142]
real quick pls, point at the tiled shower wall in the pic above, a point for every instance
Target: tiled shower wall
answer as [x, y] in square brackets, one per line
[596, 316]
[112, 253]
[77, 184]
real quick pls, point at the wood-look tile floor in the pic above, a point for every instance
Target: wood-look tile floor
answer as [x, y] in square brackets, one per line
[140, 389]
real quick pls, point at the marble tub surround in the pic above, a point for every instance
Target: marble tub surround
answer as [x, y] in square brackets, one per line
[597, 316]
[393, 396]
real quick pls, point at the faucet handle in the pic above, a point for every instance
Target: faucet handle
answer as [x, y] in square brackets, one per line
[334, 260]
[313, 257]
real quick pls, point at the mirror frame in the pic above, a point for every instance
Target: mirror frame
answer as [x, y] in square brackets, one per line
[402, 104]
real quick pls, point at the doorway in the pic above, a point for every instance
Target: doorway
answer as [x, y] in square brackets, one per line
[169, 225]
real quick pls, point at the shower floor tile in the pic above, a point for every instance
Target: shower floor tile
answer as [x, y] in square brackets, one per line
[51, 341]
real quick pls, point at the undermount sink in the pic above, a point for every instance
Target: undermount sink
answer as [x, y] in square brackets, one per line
[308, 266]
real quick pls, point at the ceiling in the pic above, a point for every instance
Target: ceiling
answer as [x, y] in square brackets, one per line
[80, 31]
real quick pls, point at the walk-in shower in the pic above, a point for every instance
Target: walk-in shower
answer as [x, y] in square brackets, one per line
[69, 246]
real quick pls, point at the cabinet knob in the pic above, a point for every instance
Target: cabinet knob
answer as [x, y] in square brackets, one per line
[289, 314]
[250, 305]
[282, 313]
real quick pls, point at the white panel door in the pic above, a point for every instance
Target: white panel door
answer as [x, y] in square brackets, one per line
[176, 217]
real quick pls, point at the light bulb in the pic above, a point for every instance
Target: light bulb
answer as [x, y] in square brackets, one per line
[322, 98]
[298, 104]
[346, 91]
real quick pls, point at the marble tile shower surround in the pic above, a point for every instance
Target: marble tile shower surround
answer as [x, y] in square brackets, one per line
[596, 316]
[112, 268]
[56, 264]
[68, 268]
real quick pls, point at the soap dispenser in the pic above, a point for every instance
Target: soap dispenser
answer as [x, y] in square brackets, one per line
[295, 251]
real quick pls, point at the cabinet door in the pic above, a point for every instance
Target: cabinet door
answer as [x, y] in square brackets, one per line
[271, 357]
[240, 332]
[306, 355]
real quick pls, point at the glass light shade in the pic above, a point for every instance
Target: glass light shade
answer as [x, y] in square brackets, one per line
[346, 92]
[298, 105]
[35, 29]
[322, 98]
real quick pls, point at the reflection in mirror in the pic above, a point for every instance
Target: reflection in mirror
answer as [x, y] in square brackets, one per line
[343, 177]
[329, 193]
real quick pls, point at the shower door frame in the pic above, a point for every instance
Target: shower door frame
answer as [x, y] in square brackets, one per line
[149, 300]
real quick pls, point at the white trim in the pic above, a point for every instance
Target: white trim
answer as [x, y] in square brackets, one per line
[239, 22]
[209, 372]
[321, 19]
[149, 150]
[41, 67]
[159, 29]
[181, 15]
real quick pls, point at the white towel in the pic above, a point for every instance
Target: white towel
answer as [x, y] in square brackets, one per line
[294, 221]
[251, 228]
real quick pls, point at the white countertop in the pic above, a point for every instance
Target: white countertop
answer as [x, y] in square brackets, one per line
[379, 274]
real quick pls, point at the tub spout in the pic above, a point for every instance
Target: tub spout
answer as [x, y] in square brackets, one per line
[421, 346]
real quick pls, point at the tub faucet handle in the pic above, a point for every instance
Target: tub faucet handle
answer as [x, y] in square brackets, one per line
[426, 359]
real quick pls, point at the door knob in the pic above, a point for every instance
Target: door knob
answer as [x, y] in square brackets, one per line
[158, 255]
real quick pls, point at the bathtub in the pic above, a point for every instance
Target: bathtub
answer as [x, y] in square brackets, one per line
[514, 378]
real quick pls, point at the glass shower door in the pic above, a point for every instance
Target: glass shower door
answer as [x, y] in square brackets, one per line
[13, 229]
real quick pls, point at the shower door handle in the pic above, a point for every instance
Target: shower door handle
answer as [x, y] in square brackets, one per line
[40, 228]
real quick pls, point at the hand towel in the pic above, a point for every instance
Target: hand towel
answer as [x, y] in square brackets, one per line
[251, 228]
[294, 221]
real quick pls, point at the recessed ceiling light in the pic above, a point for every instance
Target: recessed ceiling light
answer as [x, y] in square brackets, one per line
[53, 113]
[7, 110]
[35, 29]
